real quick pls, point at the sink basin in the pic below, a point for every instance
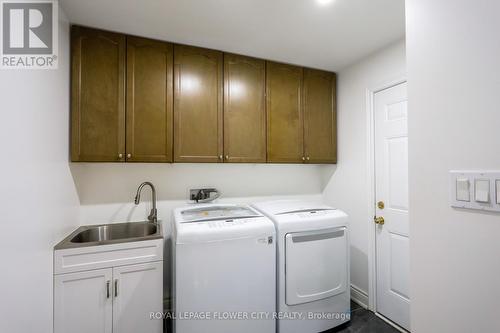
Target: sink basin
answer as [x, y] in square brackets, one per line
[110, 234]
[115, 232]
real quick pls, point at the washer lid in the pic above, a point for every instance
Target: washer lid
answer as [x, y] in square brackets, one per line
[283, 207]
[216, 212]
[220, 222]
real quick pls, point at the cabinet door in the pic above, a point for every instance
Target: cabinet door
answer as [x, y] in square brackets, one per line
[244, 109]
[149, 100]
[83, 302]
[197, 104]
[320, 125]
[137, 291]
[97, 95]
[285, 132]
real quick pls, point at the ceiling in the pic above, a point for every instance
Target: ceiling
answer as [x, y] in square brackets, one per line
[304, 32]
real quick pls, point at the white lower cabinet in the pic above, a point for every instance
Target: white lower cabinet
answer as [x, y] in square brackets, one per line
[136, 296]
[82, 302]
[117, 299]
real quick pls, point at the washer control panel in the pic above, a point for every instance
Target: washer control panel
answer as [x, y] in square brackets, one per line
[227, 223]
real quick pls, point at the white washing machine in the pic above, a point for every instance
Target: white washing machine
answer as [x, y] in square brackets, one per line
[313, 293]
[224, 274]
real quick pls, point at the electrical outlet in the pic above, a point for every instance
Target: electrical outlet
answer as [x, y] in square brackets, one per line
[203, 194]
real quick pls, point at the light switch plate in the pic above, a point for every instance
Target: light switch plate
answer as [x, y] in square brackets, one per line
[483, 190]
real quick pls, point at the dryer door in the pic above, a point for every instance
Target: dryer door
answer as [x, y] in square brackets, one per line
[315, 265]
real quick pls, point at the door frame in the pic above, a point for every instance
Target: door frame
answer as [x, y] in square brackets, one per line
[370, 170]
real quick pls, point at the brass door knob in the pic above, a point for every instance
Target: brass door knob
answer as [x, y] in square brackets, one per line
[379, 220]
[380, 205]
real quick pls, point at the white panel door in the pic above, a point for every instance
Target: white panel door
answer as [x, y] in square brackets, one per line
[391, 189]
[137, 291]
[83, 302]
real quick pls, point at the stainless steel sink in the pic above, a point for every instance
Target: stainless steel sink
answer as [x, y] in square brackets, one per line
[111, 233]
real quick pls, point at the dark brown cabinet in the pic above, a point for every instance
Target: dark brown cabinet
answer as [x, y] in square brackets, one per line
[301, 110]
[98, 95]
[149, 100]
[285, 121]
[142, 100]
[244, 109]
[320, 123]
[197, 104]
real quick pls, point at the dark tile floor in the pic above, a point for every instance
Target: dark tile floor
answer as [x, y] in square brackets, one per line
[363, 321]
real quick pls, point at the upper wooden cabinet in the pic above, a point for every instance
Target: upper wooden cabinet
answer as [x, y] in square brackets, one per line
[141, 100]
[320, 123]
[285, 130]
[244, 109]
[197, 104]
[149, 100]
[98, 95]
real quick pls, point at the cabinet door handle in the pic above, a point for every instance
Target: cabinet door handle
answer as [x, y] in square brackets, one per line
[129, 155]
[120, 156]
[116, 287]
[107, 288]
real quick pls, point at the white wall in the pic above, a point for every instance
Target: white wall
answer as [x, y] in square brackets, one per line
[38, 199]
[453, 50]
[107, 190]
[348, 187]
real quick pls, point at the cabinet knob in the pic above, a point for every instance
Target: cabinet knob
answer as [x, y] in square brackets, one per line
[227, 157]
[303, 158]
[120, 156]
[307, 158]
[220, 157]
[129, 155]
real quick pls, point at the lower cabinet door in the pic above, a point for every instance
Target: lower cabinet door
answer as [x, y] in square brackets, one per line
[83, 302]
[137, 292]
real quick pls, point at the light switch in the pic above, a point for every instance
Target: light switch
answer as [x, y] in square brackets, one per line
[482, 190]
[463, 189]
[497, 185]
[475, 189]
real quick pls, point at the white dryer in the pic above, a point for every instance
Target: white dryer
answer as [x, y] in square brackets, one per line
[313, 293]
[224, 274]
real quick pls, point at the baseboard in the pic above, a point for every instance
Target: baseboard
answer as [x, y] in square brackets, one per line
[396, 326]
[359, 296]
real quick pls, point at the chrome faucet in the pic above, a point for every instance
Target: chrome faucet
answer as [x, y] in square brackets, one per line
[153, 218]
